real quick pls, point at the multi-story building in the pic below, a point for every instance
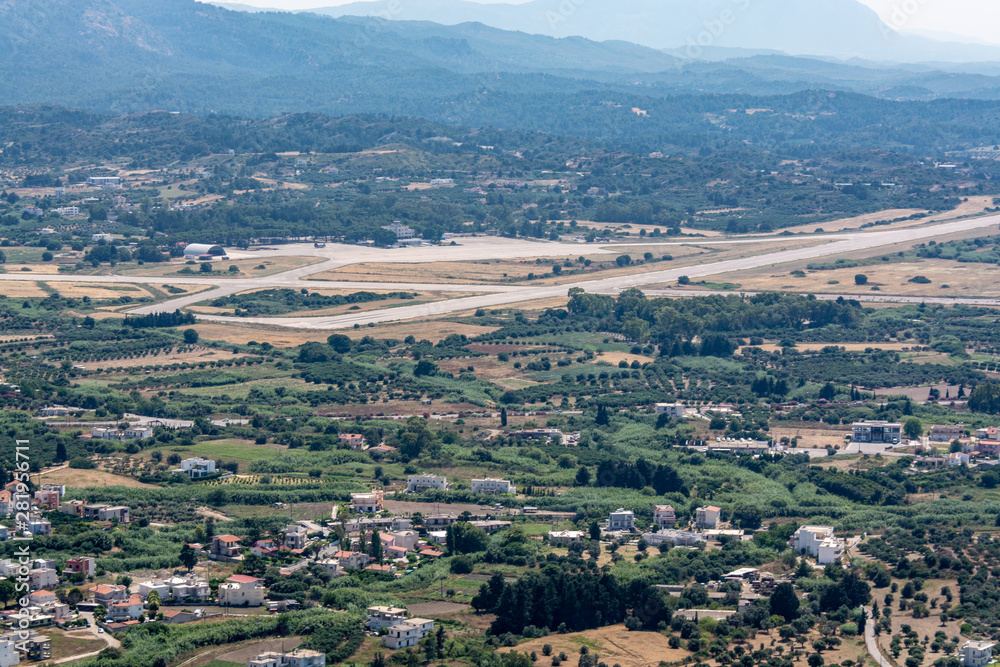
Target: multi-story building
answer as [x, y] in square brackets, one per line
[107, 593]
[664, 516]
[707, 517]
[418, 483]
[621, 520]
[977, 653]
[493, 486]
[368, 503]
[197, 467]
[39, 526]
[47, 499]
[818, 542]
[946, 432]
[400, 230]
[677, 538]
[8, 653]
[125, 610]
[242, 591]
[408, 633]
[385, 617]
[878, 432]
[226, 547]
[84, 565]
[295, 536]
[43, 578]
[675, 410]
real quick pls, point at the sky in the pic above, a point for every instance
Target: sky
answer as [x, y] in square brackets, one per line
[972, 20]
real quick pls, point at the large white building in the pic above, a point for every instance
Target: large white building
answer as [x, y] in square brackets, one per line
[400, 230]
[677, 538]
[877, 431]
[818, 542]
[493, 486]
[418, 483]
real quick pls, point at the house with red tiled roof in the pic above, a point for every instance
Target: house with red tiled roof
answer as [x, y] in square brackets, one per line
[125, 610]
[107, 593]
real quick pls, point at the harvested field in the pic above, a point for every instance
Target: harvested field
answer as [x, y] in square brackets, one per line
[407, 508]
[22, 290]
[172, 357]
[72, 477]
[432, 330]
[617, 357]
[220, 269]
[614, 644]
[98, 291]
[251, 649]
[244, 333]
[961, 279]
[810, 438]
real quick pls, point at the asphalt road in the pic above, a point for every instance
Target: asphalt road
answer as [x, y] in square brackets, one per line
[851, 243]
[489, 296]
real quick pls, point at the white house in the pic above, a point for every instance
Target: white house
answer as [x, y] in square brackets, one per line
[97, 238]
[300, 657]
[677, 538]
[818, 542]
[958, 458]
[675, 410]
[418, 483]
[196, 467]
[707, 517]
[408, 633]
[39, 526]
[977, 653]
[241, 591]
[493, 486]
[621, 520]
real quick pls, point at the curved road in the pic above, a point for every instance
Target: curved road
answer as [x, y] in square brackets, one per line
[871, 643]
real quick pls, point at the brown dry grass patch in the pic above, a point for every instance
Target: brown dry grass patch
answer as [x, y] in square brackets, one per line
[614, 644]
[83, 478]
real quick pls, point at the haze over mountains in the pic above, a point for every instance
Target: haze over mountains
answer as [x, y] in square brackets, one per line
[125, 56]
[831, 28]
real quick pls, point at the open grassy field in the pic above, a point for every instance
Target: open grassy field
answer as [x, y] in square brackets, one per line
[241, 451]
[66, 644]
[98, 291]
[432, 330]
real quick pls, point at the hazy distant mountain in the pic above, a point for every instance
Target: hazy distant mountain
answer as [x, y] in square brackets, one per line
[837, 28]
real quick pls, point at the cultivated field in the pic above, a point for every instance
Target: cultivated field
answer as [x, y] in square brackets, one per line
[78, 479]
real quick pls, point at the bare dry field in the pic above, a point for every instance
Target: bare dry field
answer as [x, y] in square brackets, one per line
[247, 267]
[172, 357]
[82, 478]
[585, 225]
[617, 357]
[481, 271]
[21, 290]
[812, 438]
[962, 279]
[614, 644]
[98, 291]
[244, 333]
[432, 330]
[974, 206]
[920, 393]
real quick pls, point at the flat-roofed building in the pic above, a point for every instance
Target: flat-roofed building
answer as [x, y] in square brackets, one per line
[493, 486]
[883, 432]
